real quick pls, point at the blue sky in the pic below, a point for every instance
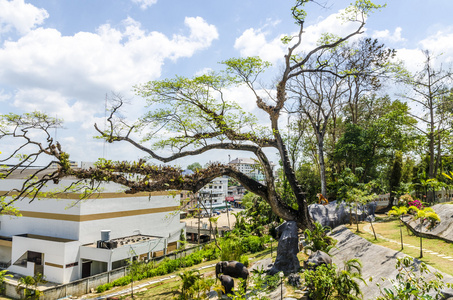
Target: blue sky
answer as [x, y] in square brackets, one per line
[63, 56]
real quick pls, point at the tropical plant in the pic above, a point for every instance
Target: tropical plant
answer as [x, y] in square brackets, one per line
[3, 275]
[424, 215]
[326, 283]
[358, 197]
[417, 203]
[29, 284]
[194, 285]
[405, 200]
[398, 212]
[411, 283]
[231, 248]
[317, 239]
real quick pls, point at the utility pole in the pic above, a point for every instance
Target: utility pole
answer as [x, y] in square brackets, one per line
[199, 206]
[210, 216]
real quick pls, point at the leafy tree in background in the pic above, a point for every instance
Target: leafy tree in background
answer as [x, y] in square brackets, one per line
[322, 94]
[431, 93]
[200, 119]
[395, 177]
[194, 167]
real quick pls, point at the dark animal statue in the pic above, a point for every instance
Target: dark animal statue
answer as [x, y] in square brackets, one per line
[231, 268]
[234, 269]
[288, 247]
[227, 283]
[316, 259]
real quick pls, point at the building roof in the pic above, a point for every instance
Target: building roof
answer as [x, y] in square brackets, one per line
[241, 160]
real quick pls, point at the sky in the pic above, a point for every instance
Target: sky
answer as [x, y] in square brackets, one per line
[63, 57]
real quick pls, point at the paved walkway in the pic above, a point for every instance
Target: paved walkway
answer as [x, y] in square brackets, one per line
[143, 285]
[367, 228]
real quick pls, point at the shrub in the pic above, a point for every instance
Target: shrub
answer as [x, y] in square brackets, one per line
[231, 248]
[317, 239]
[244, 260]
[252, 244]
[404, 200]
[411, 282]
[326, 283]
[417, 203]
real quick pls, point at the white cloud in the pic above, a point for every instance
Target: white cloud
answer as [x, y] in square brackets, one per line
[440, 47]
[21, 16]
[144, 4]
[57, 105]
[254, 42]
[87, 65]
[413, 59]
[386, 35]
[440, 43]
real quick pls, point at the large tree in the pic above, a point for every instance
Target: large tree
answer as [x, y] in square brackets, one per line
[430, 93]
[194, 116]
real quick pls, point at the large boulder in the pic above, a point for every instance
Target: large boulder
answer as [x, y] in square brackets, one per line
[316, 259]
[287, 249]
[335, 214]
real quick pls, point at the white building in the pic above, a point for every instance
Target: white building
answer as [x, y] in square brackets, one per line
[249, 167]
[214, 194]
[66, 242]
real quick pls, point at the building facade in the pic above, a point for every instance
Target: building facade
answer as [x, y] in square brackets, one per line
[66, 239]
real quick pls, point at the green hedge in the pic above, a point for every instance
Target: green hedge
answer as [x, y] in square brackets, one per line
[208, 253]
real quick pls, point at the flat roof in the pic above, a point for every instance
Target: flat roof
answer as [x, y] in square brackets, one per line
[128, 240]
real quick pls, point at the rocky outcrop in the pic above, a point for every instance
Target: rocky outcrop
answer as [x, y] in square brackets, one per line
[334, 214]
[443, 230]
[377, 261]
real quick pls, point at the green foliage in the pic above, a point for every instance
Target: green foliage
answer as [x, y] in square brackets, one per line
[194, 167]
[411, 283]
[29, 284]
[194, 285]
[326, 283]
[231, 248]
[142, 270]
[398, 212]
[258, 210]
[317, 239]
[247, 69]
[244, 260]
[3, 275]
[395, 175]
[320, 282]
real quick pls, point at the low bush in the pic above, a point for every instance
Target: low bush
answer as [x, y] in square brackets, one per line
[208, 253]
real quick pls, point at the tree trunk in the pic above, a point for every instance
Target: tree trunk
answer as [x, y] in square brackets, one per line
[322, 165]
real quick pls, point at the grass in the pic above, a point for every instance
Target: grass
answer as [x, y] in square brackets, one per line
[389, 228]
[168, 289]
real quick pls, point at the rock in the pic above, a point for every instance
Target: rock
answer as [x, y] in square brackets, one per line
[377, 261]
[316, 259]
[294, 280]
[443, 230]
[288, 247]
[334, 214]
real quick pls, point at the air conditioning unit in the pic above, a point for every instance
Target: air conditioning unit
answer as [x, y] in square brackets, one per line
[107, 244]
